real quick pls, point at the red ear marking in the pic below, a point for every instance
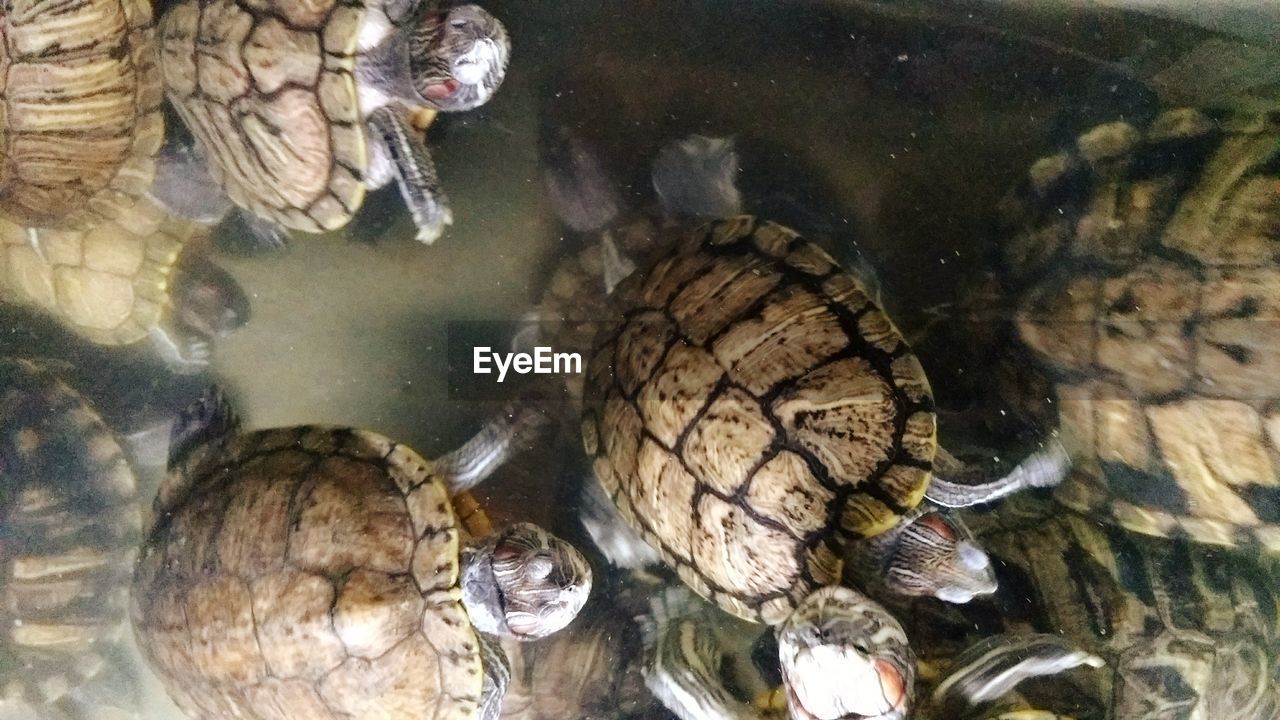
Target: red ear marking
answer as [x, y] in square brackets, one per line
[937, 523]
[440, 91]
[892, 685]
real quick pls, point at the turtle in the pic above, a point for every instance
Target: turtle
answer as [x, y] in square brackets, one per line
[80, 110]
[1141, 263]
[327, 572]
[753, 414]
[298, 109]
[143, 275]
[838, 628]
[591, 670]
[1188, 631]
[70, 520]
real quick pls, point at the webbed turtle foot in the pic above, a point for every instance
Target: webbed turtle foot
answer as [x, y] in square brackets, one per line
[184, 355]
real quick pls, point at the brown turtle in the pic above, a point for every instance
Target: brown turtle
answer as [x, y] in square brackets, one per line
[80, 114]
[324, 573]
[299, 108]
[1188, 632]
[754, 415]
[140, 276]
[70, 519]
[1142, 262]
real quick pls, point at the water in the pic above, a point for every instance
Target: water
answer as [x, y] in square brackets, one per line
[891, 131]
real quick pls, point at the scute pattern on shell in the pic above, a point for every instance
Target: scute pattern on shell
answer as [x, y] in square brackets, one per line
[312, 572]
[574, 304]
[269, 90]
[109, 283]
[80, 118]
[752, 410]
[1187, 632]
[1150, 293]
[71, 523]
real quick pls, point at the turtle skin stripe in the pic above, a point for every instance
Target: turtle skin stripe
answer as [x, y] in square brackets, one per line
[752, 411]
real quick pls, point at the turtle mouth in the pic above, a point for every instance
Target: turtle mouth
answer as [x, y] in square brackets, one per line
[838, 684]
[796, 706]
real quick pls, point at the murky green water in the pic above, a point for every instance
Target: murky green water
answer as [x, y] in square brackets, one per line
[890, 132]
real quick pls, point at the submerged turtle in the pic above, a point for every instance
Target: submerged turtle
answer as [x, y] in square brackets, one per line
[754, 415]
[80, 115]
[69, 525]
[1144, 267]
[299, 108]
[694, 179]
[592, 670]
[325, 573]
[139, 276]
[844, 657]
[1187, 632]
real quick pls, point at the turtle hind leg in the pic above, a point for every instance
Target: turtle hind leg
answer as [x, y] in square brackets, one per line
[184, 187]
[405, 157]
[497, 676]
[245, 234]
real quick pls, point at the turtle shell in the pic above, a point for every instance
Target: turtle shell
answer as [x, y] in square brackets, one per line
[751, 411]
[574, 303]
[80, 115]
[1187, 632]
[1149, 296]
[307, 572]
[268, 88]
[108, 283]
[69, 525]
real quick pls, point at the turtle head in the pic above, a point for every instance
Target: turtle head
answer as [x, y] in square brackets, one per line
[524, 583]
[935, 555]
[208, 300]
[696, 178]
[458, 57]
[844, 656]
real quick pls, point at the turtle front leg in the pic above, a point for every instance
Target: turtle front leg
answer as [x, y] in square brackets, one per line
[497, 676]
[1046, 467]
[391, 129]
[184, 353]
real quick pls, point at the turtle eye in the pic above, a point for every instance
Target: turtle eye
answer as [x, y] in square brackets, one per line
[540, 567]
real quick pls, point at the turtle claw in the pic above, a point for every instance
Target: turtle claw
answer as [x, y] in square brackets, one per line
[183, 355]
[431, 222]
[33, 241]
[414, 171]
